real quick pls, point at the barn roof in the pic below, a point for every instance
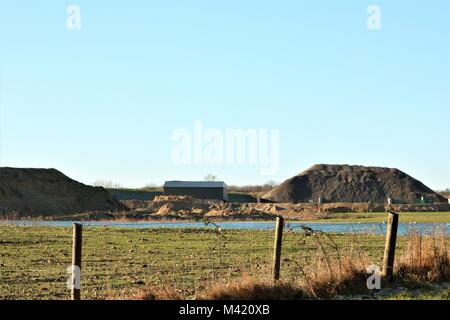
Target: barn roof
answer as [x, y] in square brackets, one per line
[195, 184]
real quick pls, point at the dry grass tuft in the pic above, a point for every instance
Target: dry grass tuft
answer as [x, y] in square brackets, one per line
[321, 282]
[159, 293]
[247, 288]
[330, 271]
[426, 258]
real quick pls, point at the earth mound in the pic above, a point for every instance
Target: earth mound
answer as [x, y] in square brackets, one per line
[348, 183]
[26, 192]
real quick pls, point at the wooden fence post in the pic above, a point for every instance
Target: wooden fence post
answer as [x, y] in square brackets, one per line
[76, 261]
[277, 248]
[389, 249]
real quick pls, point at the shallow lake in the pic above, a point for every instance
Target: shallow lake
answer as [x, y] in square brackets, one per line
[344, 227]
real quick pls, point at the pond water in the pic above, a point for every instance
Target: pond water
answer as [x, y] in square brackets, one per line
[344, 227]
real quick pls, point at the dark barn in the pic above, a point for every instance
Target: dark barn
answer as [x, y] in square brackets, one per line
[217, 190]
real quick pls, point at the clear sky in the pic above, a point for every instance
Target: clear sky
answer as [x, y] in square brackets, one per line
[102, 102]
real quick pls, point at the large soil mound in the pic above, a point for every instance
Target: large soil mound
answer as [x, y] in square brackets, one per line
[345, 183]
[49, 192]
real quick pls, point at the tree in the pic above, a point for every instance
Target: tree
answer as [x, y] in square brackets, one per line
[151, 185]
[210, 177]
[107, 184]
[270, 184]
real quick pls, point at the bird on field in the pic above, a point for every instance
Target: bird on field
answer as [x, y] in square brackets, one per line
[308, 231]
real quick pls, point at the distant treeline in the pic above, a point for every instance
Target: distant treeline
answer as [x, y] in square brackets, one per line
[155, 187]
[253, 188]
[445, 192]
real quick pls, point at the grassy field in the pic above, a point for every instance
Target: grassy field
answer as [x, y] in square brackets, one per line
[382, 216]
[118, 262]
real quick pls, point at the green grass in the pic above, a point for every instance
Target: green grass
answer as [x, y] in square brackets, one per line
[422, 294]
[120, 261]
[382, 216]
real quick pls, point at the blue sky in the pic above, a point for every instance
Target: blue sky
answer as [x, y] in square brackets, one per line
[102, 102]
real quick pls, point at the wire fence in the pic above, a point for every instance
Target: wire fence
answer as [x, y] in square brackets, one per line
[118, 263]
